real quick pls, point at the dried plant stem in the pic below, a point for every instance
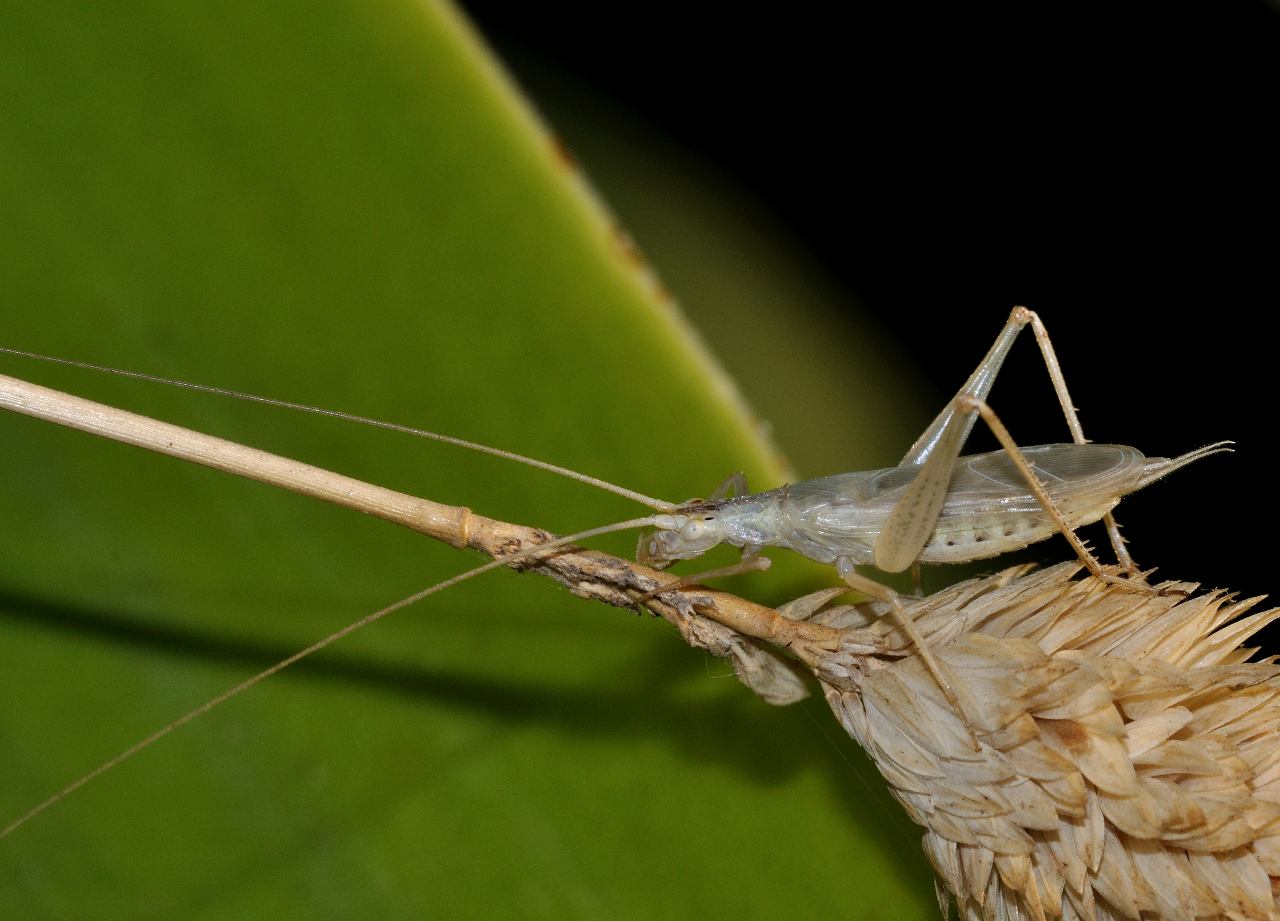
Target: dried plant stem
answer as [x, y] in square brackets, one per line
[443, 522]
[589, 574]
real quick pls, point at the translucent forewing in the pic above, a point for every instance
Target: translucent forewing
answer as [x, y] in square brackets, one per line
[845, 513]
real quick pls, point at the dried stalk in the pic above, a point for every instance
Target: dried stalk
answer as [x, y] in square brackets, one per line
[723, 624]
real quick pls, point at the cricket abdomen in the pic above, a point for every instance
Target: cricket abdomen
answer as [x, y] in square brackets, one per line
[961, 538]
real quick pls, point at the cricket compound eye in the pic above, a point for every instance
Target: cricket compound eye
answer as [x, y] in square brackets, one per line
[694, 529]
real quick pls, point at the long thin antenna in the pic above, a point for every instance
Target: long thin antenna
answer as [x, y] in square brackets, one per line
[656, 504]
[302, 654]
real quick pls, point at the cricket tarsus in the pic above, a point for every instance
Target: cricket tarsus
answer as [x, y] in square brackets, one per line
[656, 504]
[301, 654]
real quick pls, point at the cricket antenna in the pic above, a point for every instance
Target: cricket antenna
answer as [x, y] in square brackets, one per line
[655, 504]
[280, 666]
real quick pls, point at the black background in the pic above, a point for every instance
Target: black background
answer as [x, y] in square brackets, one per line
[1108, 165]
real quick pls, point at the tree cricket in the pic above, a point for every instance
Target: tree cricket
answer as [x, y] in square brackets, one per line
[934, 507]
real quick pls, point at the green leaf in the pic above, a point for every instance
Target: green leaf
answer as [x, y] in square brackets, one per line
[348, 205]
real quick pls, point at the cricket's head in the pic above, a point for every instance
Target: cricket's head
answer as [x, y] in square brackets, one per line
[691, 531]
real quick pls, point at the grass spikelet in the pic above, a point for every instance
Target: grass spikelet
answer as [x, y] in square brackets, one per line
[1129, 765]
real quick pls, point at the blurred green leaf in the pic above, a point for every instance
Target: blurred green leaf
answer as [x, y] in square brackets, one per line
[347, 205]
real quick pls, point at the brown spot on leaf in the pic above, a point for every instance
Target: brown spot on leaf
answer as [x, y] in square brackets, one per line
[627, 247]
[564, 156]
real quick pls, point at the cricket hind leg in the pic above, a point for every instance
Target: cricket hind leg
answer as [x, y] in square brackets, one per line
[912, 521]
[978, 407]
[1073, 423]
[952, 426]
[881, 592]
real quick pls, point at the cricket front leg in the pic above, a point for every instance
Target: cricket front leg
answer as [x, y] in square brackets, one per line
[751, 561]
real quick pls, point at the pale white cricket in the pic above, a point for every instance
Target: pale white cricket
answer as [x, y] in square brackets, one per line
[934, 507]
